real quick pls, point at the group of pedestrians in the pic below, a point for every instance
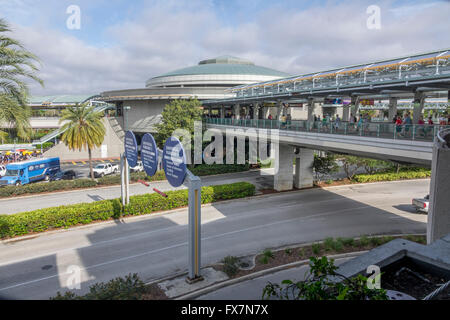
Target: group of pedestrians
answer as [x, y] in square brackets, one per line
[11, 157]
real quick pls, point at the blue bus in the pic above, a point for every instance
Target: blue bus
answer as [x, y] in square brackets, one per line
[30, 171]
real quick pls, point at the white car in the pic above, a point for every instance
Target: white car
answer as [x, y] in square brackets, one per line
[2, 170]
[421, 205]
[138, 168]
[105, 169]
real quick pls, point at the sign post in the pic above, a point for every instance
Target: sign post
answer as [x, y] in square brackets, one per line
[129, 159]
[174, 164]
[149, 154]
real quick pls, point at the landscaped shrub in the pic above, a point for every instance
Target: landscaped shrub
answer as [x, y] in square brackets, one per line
[230, 265]
[66, 216]
[205, 169]
[404, 173]
[10, 191]
[129, 288]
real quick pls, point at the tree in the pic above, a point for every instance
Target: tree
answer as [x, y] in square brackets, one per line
[16, 63]
[84, 129]
[351, 164]
[323, 282]
[324, 165]
[15, 115]
[178, 114]
[372, 165]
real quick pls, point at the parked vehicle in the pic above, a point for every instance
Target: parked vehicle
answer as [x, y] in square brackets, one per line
[105, 169]
[21, 173]
[2, 170]
[139, 167]
[64, 175]
[421, 205]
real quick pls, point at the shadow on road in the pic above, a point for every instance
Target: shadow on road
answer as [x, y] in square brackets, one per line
[156, 246]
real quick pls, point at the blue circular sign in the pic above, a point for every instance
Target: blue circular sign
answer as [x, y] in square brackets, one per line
[131, 149]
[149, 154]
[174, 162]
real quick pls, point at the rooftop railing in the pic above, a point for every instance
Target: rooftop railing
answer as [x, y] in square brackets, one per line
[416, 132]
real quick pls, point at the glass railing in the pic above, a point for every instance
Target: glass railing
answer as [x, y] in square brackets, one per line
[419, 132]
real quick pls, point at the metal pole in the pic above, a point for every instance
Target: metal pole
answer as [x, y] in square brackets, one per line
[127, 181]
[195, 202]
[122, 179]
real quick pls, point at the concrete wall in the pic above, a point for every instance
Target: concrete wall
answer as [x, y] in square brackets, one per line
[144, 114]
[439, 212]
[112, 146]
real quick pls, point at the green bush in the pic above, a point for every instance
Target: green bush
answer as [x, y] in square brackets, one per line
[11, 191]
[85, 213]
[230, 265]
[205, 169]
[403, 174]
[128, 288]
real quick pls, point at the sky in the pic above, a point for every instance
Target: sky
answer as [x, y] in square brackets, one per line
[121, 43]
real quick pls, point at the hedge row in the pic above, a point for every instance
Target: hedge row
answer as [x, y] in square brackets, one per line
[406, 173]
[205, 169]
[85, 213]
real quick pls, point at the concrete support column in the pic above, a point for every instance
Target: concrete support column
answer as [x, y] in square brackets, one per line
[237, 111]
[247, 111]
[266, 112]
[392, 108]
[304, 177]
[419, 100]
[279, 110]
[310, 110]
[222, 112]
[284, 163]
[355, 105]
[256, 108]
[345, 113]
[439, 211]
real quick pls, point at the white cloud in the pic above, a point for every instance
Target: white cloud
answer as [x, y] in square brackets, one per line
[169, 35]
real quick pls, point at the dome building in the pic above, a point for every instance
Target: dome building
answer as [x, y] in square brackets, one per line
[207, 80]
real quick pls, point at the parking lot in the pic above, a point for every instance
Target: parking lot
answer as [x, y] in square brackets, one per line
[82, 167]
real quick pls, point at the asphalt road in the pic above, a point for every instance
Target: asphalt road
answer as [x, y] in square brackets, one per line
[155, 246]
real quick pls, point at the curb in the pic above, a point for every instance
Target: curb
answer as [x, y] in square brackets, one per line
[258, 274]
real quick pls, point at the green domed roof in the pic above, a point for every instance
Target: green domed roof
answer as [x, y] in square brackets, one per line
[225, 65]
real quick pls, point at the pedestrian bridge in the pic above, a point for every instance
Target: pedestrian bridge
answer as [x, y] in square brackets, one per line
[385, 141]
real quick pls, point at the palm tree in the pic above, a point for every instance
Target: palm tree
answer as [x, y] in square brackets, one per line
[84, 129]
[15, 115]
[16, 64]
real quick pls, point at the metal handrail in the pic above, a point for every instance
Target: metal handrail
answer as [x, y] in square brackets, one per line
[420, 132]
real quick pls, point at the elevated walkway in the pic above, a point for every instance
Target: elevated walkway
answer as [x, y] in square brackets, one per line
[409, 144]
[56, 133]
